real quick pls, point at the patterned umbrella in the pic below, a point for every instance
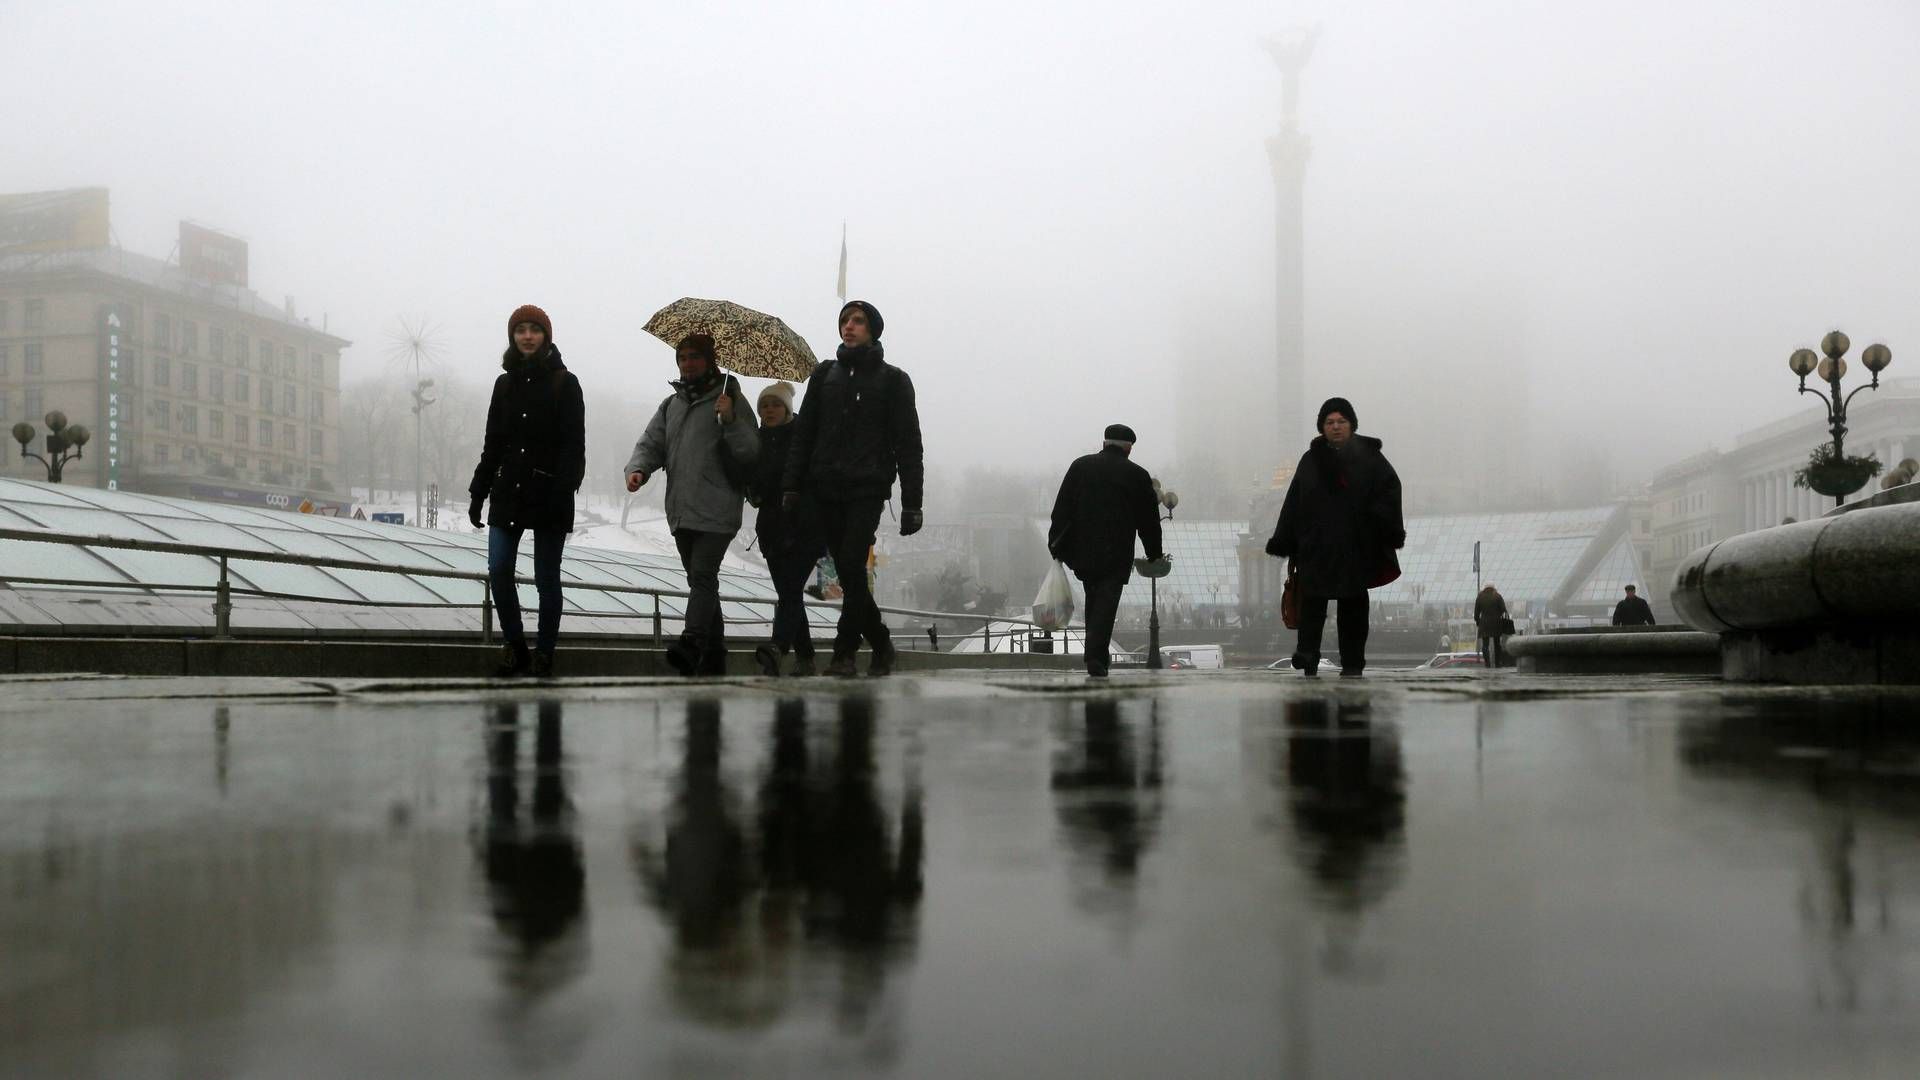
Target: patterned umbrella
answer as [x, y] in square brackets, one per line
[746, 341]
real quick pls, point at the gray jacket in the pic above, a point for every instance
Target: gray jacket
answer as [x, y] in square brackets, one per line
[684, 438]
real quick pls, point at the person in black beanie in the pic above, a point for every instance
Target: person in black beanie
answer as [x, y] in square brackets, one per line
[1339, 528]
[858, 428]
[1104, 500]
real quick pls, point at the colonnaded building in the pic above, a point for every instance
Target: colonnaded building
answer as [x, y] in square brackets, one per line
[189, 382]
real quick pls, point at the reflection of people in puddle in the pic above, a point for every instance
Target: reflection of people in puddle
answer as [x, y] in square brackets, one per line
[1346, 799]
[1107, 798]
[829, 872]
[531, 855]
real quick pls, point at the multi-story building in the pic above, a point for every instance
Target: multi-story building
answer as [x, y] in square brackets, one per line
[190, 383]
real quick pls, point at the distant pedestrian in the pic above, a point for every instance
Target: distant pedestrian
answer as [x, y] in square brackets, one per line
[858, 429]
[531, 463]
[1489, 620]
[1632, 610]
[789, 537]
[933, 637]
[1339, 528]
[707, 444]
[1104, 501]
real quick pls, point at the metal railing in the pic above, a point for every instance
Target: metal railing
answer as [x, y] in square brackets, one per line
[1019, 635]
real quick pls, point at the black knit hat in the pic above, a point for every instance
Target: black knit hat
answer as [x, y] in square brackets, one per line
[874, 322]
[1119, 433]
[1336, 405]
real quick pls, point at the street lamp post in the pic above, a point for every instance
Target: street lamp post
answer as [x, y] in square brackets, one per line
[64, 443]
[1168, 499]
[1830, 370]
[420, 403]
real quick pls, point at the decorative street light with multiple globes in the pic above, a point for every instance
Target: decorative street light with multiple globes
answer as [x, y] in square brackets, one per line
[1831, 369]
[64, 443]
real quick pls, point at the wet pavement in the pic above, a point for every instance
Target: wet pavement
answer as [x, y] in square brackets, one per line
[1201, 874]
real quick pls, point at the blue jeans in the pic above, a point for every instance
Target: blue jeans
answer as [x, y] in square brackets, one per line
[503, 548]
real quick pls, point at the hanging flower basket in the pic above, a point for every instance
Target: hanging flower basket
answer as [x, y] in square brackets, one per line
[1835, 477]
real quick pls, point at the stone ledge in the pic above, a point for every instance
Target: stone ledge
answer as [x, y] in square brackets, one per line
[1618, 651]
[1858, 567]
[1867, 655]
[389, 659]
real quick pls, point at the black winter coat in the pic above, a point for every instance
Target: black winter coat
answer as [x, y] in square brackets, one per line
[1633, 611]
[1341, 521]
[793, 533]
[535, 453]
[856, 430]
[1489, 612]
[1104, 500]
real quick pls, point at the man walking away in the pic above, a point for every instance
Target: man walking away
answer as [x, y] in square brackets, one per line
[1632, 611]
[704, 437]
[1489, 620]
[858, 429]
[1104, 501]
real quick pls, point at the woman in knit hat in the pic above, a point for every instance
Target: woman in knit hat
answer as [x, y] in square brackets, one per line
[1338, 529]
[790, 538]
[531, 464]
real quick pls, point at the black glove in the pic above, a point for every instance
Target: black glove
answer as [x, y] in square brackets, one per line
[789, 500]
[473, 514]
[1273, 549]
[1398, 539]
[910, 521]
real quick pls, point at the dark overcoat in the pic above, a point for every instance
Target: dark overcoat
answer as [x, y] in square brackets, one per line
[858, 428]
[1104, 501]
[795, 532]
[535, 454]
[1489, 612]
[1341, 521]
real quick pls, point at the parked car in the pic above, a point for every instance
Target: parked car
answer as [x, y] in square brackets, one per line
[1193, 656]
[1285, 663]
[1452, 660]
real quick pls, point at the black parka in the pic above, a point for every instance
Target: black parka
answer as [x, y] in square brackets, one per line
[857, 429]
[535, 453]
[1341, 521]
[1103, 501]
[796, 532]
[1489, 612]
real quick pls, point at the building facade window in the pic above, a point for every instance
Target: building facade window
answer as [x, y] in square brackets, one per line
[162, 371]
[289, 436]
[266, 434]
[241, 393]
[6, 357]
[35, 316]
[189, 453]
[290, 401]
[34, 360]
[189, 420]
[216, 424]
[216, 343]
[318, 368]
[317, 408]
[3, 408]
[190, 378]
[240, 350]
[162, 415]
[163, 332]
[36, 403]
[240, 437]
[266, 356]
[217, 384]
[189, 337]
[290, 362]
[318, 442]
[159, 453]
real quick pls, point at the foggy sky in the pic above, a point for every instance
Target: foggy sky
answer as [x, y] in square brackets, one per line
[1061, 209]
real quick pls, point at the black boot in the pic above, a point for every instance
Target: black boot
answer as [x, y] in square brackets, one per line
[880, 665]
[842, 666]
[713, 658]
[543, 665]
[683, 655]
[768, 658]
[514, 661]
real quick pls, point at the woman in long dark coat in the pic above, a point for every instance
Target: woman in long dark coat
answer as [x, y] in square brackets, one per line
[790, 538]
[533, 461]
[1339, 526]
[1489, 621]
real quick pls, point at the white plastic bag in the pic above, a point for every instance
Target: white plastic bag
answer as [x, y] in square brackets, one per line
[1053, 604]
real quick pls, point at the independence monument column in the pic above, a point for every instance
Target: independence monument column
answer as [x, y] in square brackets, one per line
[1288, 152]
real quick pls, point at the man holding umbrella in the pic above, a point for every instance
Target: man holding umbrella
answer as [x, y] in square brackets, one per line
[704, 436]
[857, 430]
